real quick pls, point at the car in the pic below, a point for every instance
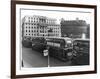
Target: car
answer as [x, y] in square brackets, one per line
[26, 42]
[81, 49]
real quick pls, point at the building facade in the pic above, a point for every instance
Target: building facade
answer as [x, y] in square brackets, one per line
[40, 26]
[75, 28]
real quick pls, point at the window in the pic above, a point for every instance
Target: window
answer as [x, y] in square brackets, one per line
[37, 19]
[29, 30]
[26, 30]
[62, 43]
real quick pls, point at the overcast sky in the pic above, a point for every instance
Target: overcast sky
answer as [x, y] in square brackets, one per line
[66, 14]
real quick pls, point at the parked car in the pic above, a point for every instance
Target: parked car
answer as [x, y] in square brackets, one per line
[81, 51]
[27, 42]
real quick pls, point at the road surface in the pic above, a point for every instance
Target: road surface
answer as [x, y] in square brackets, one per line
[32, 58]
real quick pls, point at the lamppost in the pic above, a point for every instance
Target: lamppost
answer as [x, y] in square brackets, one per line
[49, 31]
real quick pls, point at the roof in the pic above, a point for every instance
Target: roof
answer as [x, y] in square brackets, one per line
[79, 39]
[65, 38]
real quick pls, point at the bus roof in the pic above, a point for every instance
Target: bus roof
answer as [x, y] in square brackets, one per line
[79, 39]
[65, 38]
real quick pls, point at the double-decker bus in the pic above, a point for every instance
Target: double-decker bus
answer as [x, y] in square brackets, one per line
[61, 47]
[81, 49]
[38, 43]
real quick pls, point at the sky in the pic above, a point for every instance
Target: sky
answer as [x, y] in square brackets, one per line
[67, 14]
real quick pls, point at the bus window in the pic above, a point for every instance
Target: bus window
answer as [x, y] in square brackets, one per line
[62, 43]
[49, 42]
[57, 42]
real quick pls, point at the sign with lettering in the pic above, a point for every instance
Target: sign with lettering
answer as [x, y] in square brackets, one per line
[53, 44]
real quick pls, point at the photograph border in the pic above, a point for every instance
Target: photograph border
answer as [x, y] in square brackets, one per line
[13, 38]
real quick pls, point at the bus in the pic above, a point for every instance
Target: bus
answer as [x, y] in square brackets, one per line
[60, 47]
[38, 43]
[81, 49]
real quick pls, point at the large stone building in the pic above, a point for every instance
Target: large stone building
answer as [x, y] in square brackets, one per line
[75, 28]
[40, 26]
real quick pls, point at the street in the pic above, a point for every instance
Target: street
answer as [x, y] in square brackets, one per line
[33, 58]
